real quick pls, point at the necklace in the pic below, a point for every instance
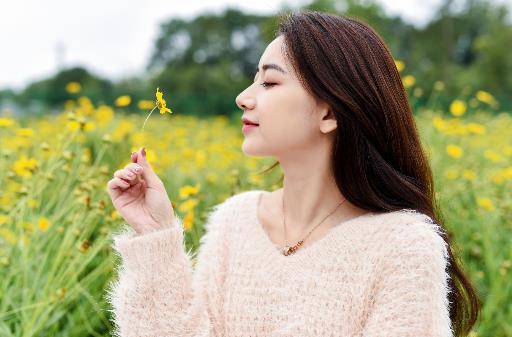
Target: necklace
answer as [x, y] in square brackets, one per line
[287, 250]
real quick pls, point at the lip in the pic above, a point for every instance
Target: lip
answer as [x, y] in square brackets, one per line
[248, 127]
[246, 120]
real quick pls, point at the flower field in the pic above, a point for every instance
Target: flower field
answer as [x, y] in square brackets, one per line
[56, 217]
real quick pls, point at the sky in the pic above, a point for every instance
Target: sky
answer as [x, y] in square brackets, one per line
[114, 38]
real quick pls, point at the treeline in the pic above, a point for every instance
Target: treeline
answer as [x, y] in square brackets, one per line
[203, 63]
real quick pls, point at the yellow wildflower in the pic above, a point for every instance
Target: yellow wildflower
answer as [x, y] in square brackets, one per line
[485, 97]
[188, 220]
[485, 203]
[439, 123]
[451, 174]
[188, 205]
[458, 108]
[73, 87]
[145, 104]
[408, 81]
[476, 128]
[6, 122]
[469, 174]
[400, 65]
[24, 166]
[25, 132]
[123, 101]
[454, 151]
[188, 190]
[44, 223]
[493, 156]
[160, 102]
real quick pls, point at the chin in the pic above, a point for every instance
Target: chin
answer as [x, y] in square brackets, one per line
[251, 149]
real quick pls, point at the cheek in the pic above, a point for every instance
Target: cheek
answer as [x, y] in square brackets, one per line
[286, 115]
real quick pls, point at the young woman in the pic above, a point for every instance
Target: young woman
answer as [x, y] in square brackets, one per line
[349, 246]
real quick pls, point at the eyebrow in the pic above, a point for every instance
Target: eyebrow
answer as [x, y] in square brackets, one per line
[271, 66]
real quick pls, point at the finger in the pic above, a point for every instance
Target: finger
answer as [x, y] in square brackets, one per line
[148, 174]
[114, 188]
[119, 183]
[134, 168]
[126, 175]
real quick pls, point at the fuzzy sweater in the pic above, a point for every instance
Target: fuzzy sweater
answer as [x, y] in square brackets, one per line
[379, 274]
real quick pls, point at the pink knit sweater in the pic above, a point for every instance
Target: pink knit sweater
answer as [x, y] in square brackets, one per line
[380, 274]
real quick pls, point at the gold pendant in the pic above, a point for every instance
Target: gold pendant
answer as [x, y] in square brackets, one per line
[286, 250]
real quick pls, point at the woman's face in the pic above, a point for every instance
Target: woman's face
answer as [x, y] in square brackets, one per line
[288, 116]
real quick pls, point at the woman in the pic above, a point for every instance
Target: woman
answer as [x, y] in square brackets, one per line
[350, 246]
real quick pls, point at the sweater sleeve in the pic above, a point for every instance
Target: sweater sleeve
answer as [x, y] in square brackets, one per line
[159, 293]
[411, 289]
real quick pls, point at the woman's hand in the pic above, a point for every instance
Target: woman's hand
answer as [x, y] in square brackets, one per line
[139, 195]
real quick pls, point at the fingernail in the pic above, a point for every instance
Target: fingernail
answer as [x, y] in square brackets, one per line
[144, 152]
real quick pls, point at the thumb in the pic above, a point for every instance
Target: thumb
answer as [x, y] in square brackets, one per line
[148, 173]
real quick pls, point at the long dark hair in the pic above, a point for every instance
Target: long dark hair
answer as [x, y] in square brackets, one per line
[377, 158]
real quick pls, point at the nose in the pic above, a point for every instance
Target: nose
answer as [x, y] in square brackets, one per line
[244, 101]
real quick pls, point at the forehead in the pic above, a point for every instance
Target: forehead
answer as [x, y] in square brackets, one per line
[274, 50]
[275, 54]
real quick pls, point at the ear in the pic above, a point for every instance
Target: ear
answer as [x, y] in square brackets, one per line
[328, 121]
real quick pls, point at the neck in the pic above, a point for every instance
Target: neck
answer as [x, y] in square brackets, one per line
[306, 203]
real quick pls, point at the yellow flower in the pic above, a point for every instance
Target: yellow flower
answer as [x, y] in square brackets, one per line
[188, 205]
[188, 190]
[454, 151]
[400, 65]
[485, 203]
[73, 87]
[25, 132]
[188, 220]
[476, 128]
[24, 167]
[458, 108]
[123, 101]
[408, 81]
[145, 104]
[485, 97]
[160, 102]
[452, 174]
[492, 155]
[439, 123]
[469, 175]
[44, 223]
[5, 122]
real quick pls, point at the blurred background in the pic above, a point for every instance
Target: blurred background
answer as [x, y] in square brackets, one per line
[78, 81]
[209, 49]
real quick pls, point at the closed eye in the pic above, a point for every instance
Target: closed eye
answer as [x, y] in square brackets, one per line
[267, 84]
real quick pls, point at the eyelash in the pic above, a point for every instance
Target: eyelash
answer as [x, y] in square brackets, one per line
[267, 84]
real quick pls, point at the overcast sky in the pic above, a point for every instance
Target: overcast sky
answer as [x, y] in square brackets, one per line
[113, 38]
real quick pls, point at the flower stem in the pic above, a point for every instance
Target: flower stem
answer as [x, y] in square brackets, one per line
[148, 117]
